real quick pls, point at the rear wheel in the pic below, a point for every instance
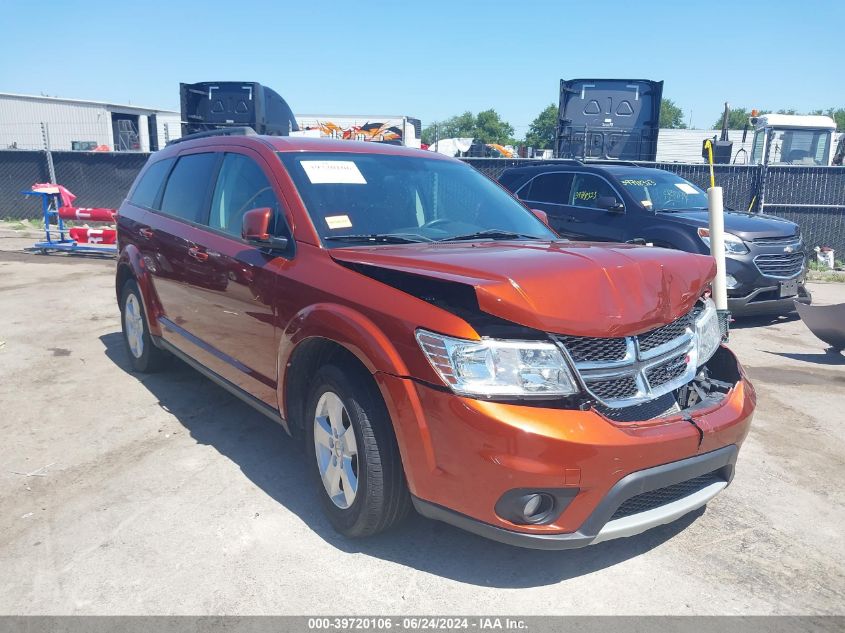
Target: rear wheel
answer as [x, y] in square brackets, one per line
[350, 440]
[143, 354]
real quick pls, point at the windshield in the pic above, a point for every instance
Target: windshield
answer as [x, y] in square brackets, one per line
[356, 197]
[799, 147]
[664, 191]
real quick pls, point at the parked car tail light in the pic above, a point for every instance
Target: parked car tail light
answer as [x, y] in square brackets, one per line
[498, 368]
[708, 334]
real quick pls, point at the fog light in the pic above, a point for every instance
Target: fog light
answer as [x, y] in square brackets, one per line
[536, 507]
[730, 281]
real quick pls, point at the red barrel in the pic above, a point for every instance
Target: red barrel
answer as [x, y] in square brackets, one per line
[91, 215]
[85, 235]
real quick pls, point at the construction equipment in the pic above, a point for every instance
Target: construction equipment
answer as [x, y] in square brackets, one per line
[56, 208]
[791, 139]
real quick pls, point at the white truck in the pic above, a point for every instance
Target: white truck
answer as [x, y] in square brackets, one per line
[396, 129]
[792, 139]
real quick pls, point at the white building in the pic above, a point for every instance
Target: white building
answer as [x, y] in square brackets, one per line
[30, 122]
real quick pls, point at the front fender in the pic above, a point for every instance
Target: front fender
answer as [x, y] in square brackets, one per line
[363, 338]
[131, 259]
[346, 327]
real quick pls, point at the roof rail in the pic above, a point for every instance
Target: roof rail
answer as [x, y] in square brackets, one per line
[224, 131]
[611, 161]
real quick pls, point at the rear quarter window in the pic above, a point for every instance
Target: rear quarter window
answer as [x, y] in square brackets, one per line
[146, 191]
[551, 188]
[186, 192]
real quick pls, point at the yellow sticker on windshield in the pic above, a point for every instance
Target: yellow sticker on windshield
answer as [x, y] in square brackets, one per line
[631, 182]
[338, 221]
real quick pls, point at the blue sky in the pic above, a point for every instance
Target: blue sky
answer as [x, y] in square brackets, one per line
[430, 59]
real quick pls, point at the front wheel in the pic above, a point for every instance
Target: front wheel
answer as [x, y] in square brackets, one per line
[350, 441]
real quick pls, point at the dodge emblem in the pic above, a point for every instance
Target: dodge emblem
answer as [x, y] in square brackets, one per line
[788, 249]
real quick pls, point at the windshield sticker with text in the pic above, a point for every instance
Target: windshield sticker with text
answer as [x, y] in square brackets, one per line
[338, 221]
[333, 172]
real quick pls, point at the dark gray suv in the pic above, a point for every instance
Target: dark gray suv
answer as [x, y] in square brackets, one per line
[766, 257]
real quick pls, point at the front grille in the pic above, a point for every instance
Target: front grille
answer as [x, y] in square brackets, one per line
[622, 372]
[663, 335]
[662, 496]
[780, 265]
[587, 349]
[776, 241]
[668, 371]
[616, 389]
[663, 406]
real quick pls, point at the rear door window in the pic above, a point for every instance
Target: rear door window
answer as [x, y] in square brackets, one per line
[241, 185]
[588, 188]
[146, 191]
[186, 192]
[550, 188]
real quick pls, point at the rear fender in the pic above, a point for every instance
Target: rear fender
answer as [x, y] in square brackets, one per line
[130, 264]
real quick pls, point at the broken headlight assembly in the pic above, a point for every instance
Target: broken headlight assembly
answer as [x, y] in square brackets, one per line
[708, 334]
[498, 368]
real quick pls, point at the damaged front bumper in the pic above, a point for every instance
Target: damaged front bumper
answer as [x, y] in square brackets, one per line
[702, 477]
[611, 479]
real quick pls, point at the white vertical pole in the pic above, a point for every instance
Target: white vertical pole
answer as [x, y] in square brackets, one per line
[717, 245]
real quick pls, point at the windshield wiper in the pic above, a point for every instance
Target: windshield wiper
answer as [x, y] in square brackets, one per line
[493, 234]
[680, 209]
[380, 238]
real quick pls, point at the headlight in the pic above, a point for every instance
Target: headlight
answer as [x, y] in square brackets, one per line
[494, 367]
[733, 245]
[708, 333]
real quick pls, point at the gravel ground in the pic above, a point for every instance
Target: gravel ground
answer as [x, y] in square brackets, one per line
[163, 494]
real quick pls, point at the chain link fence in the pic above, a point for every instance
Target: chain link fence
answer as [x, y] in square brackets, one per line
[813, 197]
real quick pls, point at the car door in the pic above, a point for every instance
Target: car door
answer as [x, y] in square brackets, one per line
[549, 192]
[231, 307]
[170, 233]
[586, 214]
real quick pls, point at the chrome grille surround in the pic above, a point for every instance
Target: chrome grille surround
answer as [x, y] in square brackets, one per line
[784, 240]
[654, 363]
[780, 265]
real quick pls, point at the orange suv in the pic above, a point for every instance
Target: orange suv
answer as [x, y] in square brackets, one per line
[430, 340]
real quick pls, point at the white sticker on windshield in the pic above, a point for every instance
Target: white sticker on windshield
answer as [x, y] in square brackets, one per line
[686, 187]
[338, 221]
[646, 203]
[333, 172]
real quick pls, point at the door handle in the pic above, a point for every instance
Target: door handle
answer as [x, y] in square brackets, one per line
[197, 254]
[145, 232]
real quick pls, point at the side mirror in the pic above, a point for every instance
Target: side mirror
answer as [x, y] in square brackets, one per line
[542, 216]
[255, 228]
[609, 203]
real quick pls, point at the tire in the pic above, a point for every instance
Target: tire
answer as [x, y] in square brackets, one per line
[144, 356]
[368, 494]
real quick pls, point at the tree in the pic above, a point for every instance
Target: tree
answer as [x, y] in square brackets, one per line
[541, 132]
[838, 115]
[490, 128]
[671, 116]
[487, 126]
[739, 117]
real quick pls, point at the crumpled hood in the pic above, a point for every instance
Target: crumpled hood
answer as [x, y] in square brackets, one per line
[579, 288]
